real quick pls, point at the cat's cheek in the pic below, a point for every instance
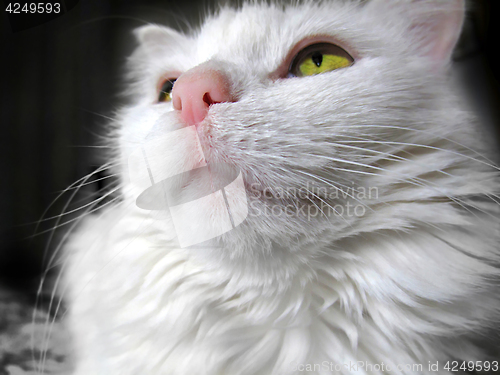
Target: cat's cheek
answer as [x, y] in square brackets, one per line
[138, 122]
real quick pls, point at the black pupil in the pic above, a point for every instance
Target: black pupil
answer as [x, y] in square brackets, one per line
[166, 89]
[317, 58]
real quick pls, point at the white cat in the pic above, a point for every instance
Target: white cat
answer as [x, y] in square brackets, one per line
[350, 219]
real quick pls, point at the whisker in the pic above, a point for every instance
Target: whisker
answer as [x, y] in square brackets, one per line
[48, 323]
[49, 265]
[71, 220]
[423, 183]
[402, 159]
[75, 209]
[52, 233]
[334, 186]
[91, 209]
[59, 278]
[81, 180]
[432, 148]
[439, 137]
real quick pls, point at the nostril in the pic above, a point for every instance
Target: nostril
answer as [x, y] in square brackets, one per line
[197, 90]
[176, 101]
[208, 99]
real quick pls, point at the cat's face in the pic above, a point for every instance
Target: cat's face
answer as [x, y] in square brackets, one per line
[305, 143]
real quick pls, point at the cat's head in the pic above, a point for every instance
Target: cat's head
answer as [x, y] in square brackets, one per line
[316, 104]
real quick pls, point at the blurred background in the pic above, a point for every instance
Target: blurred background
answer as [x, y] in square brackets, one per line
[61, 81]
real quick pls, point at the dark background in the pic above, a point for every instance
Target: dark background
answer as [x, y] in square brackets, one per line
[62, 79]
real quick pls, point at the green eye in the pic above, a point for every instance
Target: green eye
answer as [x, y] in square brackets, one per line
[319, 58]
[165, 94]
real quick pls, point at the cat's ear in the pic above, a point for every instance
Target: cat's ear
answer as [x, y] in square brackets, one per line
[155, 39]
[434, 24]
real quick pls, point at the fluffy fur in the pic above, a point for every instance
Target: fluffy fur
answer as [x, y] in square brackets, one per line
[409, 279]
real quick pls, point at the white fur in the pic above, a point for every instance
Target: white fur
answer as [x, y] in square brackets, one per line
[411, 281]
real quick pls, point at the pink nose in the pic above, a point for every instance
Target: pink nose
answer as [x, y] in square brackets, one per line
[196, 90]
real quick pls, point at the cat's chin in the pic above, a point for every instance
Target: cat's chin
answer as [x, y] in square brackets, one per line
[204, 203]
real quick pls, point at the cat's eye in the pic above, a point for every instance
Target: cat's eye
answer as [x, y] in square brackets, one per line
[319, 58]
[165, 93]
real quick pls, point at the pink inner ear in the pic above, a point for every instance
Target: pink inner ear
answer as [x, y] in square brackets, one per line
[440, 32]
[450, 32]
